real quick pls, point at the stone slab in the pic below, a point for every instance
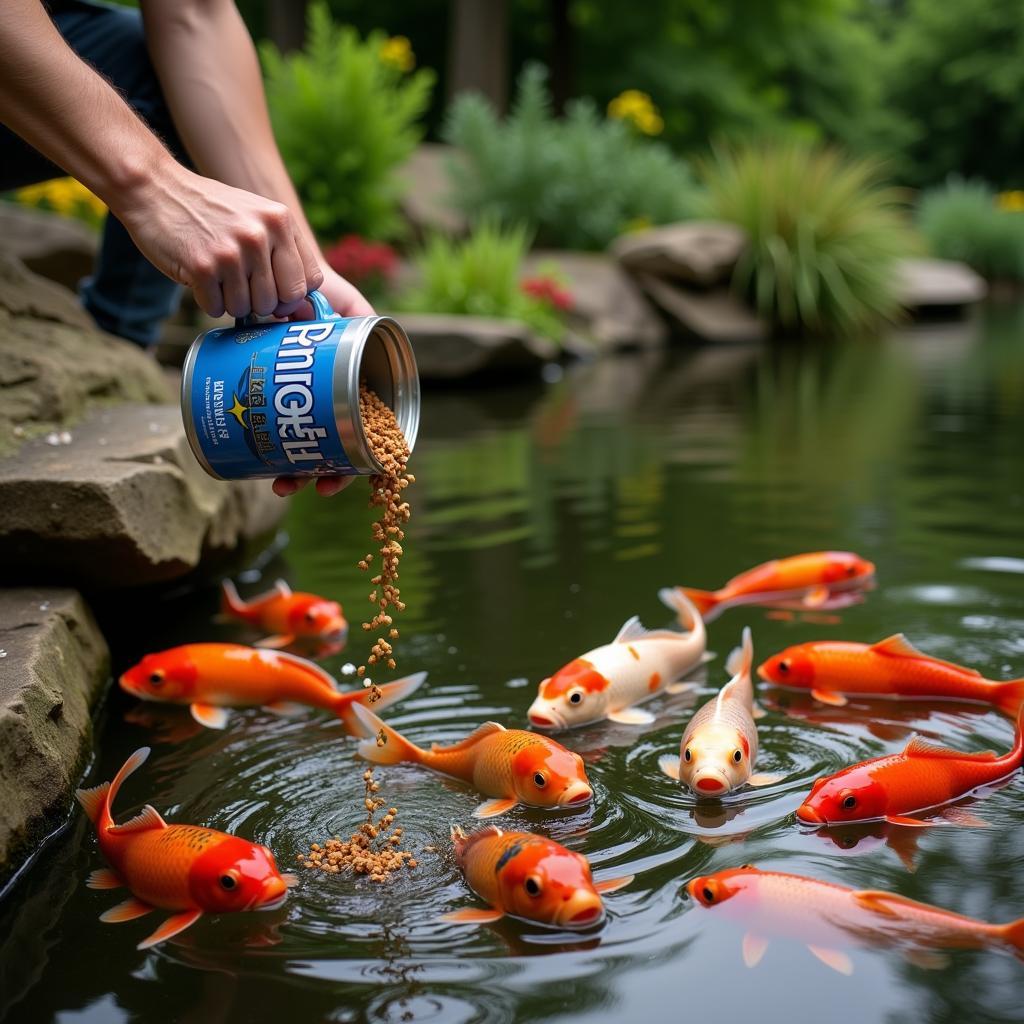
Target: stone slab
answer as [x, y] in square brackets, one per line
[54, 666]
[699, 252]
[714, 316]
[923, 283]
[58, 248]
[425, 199]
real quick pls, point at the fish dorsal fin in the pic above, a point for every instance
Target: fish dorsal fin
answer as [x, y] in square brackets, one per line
[308, 667]
[898, 646]
[918, 747]
[883, 902]
[487, 832]
[472, 739]
[282, 588]
[741, 660]
[633, 630]
[146, 819]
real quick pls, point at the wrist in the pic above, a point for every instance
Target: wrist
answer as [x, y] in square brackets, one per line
[135, 177]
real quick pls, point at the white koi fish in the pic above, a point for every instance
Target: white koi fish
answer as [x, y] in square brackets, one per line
[719, 746]
[609, 681]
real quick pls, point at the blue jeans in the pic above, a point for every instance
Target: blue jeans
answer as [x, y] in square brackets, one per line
[126, 294]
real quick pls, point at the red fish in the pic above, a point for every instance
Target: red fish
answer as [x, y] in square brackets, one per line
[919, 778]
[890, 668]
[286, 614]
[827, 916]
[511, 765]
[187, 869]
[819, 579]
[211, 678]
[530, 877]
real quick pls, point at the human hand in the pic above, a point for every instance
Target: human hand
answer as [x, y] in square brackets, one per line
[238, 252]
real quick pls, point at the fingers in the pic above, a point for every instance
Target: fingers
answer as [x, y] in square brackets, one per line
[286, 486]
[326, 486]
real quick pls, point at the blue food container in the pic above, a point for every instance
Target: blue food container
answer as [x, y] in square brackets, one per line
[282, 399]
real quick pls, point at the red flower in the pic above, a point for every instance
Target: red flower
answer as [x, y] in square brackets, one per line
[547, 289]
[360, 261]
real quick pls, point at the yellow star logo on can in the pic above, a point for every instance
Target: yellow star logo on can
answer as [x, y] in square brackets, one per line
[238, 411]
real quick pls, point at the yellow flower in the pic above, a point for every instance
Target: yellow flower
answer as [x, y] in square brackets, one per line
[397, 52]
[636, 107]
[637, 224]
[65, 196]
[1012, 202]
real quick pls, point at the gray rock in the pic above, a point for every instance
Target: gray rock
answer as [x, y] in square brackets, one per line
[923, 283]
[54, 364]
[57, 248]
[449, 347]
[703, 253]
[425, 200]
[717, 316]
[124, 503]
[54, 666]
[609, 309]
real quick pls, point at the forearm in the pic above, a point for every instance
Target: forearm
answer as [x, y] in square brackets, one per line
[68, 112]
[210, 76]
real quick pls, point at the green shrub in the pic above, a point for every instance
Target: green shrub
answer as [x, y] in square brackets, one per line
[824, 234]
[578, 182]
[345, 120]
[963, 221]
[479, 276]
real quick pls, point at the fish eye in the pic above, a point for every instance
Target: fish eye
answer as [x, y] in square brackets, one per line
[539, 780]
[687, 756]
[532, 885]
[850, 802]
[576, 697]
[228, 882]
[847, 842]
[156, 678]
[310, 616]
[783, 665]
[851, 570]
[708, 895]
[737, 756]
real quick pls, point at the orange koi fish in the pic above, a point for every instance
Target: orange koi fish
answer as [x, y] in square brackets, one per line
[609, 681]
[210, 678]
[719, 747]
[821, 579]
[511, 765]
[286, 614]
[917, 779]
[184, 868]
[528, 876]
[890, 668]
[827, 916]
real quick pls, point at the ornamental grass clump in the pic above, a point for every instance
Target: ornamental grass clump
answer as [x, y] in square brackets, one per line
[825, 233]
[966, 220]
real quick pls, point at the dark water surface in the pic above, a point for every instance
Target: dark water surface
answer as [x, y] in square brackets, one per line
[546, 515]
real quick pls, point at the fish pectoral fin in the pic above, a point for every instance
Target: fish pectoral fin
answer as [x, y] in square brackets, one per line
[707, 656]
[669, 764]
[276, 642]
[285, 708]
[815, 597]
[473, 915]
[903, 843]
[962, 817]
[613, 884]
[209, 715]
[147, 818]
[903, 819]
[766, 778]
[127, 910]
[926, 959]
[104, 878]
[492, 808]
[753, 948]
[679, 687]
[836, 700]
[171, 927]
[734, 662]
[834, 958]
[630, 716]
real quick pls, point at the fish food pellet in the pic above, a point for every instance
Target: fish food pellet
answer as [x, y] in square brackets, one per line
[390, 449]
[371, 850]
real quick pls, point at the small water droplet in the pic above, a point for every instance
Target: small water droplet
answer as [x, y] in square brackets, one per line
[65, 437]
[348, 669]
[158, 460]
[518, 683]
[3, 653]
[52, 438]
[453, 650]
[551, 373]
[45, 606]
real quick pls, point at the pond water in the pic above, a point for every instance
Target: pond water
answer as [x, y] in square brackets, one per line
[544, 516]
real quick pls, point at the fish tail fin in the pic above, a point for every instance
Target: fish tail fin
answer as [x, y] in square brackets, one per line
[383, 745]
[230, 601]
[1013, 935]
[1011, 697]
[390, 693]
[99, 799]
[683, 605]
[1017, 753]
[705, 601]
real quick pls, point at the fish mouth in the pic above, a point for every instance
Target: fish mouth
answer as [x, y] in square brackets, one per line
[334, 630]
[583, 910]
[577, 793]
[710, 782]
[809, 816]
[545, 718]
[764, 675]
[272, 895]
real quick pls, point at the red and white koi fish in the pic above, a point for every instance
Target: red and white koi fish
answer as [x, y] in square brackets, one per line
[719, 747]
[919, 778]
[827, 917]
[609, 681]
[288, 615]
[211, 678]
[893, 667]
[187, 869]
[528, 876]
[511, 765]
[820, 579]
